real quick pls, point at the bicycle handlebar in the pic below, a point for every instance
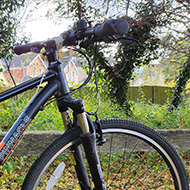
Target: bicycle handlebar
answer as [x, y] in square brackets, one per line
[70, 38]
[19, 49]
[111, 27]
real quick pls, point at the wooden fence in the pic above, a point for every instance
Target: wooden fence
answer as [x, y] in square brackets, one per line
[34, 142]
[154, 94]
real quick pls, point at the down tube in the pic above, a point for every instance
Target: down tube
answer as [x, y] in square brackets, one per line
[15, 133]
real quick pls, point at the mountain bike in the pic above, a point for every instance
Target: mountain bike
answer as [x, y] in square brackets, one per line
[99, 154]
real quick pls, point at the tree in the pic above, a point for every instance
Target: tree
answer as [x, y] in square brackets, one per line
[8, 29]
[151, 22]
[180, 84]
[173, 60]
[176, 43]
[146, 16]
[13, 17]
[8, 25]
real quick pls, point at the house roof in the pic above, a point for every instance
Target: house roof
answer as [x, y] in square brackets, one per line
[25, 60]
[21, 61]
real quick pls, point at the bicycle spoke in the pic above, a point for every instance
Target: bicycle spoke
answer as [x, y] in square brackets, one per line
[110, 155]
[138, 179]
[118, 171]
[125, 150]
[134, 173]
[158, 179]
[134, 168]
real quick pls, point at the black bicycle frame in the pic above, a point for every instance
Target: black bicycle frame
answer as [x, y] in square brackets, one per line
[21, 124]
[57, 86]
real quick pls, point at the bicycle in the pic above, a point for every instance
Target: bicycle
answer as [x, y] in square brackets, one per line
[87, 155]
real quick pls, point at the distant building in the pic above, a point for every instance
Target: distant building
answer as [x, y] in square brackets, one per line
[30, 65]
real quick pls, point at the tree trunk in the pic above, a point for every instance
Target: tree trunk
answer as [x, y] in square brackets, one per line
[180, 85]
[9, 71]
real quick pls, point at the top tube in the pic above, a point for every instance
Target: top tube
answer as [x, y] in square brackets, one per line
[25, 86]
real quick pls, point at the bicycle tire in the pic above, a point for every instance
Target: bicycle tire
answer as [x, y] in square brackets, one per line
[152, 163]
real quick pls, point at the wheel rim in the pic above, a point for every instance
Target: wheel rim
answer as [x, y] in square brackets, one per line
[128, 169]
[146, 155]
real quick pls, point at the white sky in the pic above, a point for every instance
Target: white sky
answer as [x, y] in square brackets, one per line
[39, 27]
[40, 30]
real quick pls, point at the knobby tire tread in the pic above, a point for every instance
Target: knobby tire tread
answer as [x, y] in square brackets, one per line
[74, 133]
[52, 149]
[121, 123]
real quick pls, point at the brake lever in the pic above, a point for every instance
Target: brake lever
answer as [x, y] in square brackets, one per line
[128, 40]
[108, 39]
[85, 43]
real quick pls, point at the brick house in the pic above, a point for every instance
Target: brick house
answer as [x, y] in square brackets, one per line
[30, 65]
[24, 67]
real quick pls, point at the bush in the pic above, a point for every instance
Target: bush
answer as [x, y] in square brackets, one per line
[157, 117]
[152, 115]
[45, 120]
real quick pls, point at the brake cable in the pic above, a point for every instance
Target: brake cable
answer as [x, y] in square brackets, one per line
[96, 82]
[73, 91]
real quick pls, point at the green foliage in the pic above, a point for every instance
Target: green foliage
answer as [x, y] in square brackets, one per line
[9, 112]
[45, 120]
[9, 27]
[152, 115]
[156, 116]
[76, 10]
[8, 24]
[175, 60]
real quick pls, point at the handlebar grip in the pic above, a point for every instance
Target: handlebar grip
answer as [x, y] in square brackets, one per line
[111, 27]
[27, 48]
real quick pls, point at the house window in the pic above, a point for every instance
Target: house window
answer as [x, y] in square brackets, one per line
[40, 70]
[34, 71]
[68, 76]
[72, 76]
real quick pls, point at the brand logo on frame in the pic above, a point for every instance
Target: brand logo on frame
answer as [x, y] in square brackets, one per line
[14, 137]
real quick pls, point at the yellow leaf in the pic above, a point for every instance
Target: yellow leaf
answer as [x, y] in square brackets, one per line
[173, 59]
[180, 42]
[44, 58]
[60, 53]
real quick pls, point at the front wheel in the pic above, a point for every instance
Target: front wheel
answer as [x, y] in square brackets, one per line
[133, 157]
[140, 158]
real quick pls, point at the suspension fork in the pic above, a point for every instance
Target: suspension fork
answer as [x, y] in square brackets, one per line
[89, 143]
[77, 156]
